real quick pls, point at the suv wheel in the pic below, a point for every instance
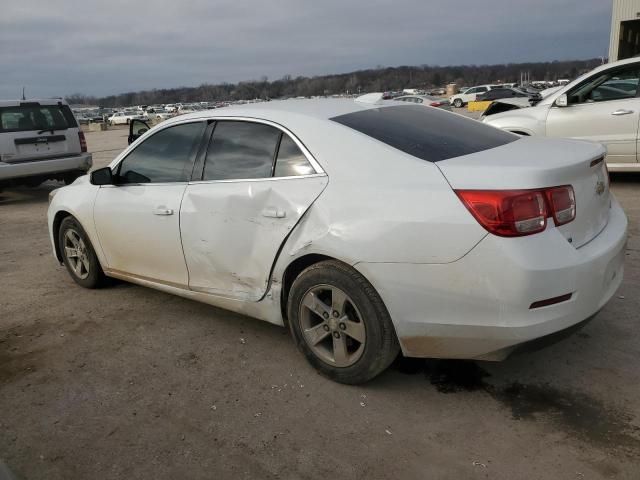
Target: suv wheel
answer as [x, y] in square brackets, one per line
[457, 103]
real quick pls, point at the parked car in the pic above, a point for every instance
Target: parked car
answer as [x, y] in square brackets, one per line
[497, 93]
[124, 118]
[602, 106]
[491, 240]
[161, 115]
[469, 95]
[426, 100]
[40, 140]
[88, 116]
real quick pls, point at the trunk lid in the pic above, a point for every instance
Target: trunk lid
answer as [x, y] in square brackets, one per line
[541, 163]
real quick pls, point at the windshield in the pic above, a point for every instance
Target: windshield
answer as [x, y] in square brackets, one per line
[426, 133]
[33, 116]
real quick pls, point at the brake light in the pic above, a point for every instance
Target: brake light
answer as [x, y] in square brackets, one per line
[436, 104]
[507, 213]
[83, 141]
[516, 213]
[563, 204]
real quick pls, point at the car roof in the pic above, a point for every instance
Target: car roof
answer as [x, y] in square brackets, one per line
[41, 101]
[320, 109]
[310, 121]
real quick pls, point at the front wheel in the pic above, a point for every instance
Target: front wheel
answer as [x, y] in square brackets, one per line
[457, 103]
[340, 323]
[78, 254]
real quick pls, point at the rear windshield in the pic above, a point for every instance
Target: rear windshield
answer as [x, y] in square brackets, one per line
[33, 116]
[426, 132]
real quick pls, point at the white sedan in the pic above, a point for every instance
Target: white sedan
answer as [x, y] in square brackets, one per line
[124, 118]
[368, 228]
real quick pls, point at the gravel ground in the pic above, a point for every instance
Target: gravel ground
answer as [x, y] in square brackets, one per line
[127, 382]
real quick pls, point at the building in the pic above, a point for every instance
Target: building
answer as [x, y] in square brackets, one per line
[625, 30]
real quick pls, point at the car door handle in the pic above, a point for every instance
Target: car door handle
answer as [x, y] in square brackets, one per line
[622, 111]
[273, 212]
[162, 211]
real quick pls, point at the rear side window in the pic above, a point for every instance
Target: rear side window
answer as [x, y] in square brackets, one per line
[33, 116]
[426, 133]
[291, 162]
[241, 150]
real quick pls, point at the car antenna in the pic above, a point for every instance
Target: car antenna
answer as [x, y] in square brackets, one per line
[23, 97]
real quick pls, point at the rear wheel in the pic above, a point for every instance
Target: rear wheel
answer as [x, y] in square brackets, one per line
[340, 323]
[78, 254]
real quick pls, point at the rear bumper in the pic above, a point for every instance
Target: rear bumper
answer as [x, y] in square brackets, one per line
[9, 171]
[479, 306]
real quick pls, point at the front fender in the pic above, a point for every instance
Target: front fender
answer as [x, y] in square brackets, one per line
[76, 200]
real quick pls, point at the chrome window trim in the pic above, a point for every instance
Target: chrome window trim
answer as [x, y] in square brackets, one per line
[206, 118]
[265, 179]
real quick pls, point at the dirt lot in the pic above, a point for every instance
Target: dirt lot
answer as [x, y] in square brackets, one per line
[130, 383]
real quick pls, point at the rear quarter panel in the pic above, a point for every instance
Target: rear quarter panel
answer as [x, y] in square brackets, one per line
[381, 205]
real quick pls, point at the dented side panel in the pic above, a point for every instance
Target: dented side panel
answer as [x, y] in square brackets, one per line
[232, 231]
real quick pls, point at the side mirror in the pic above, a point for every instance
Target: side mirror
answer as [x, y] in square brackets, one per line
[562, 101]
[102, 176]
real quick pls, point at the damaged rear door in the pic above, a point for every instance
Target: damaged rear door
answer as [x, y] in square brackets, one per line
[255, 184]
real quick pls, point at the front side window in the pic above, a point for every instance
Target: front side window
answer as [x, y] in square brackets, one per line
[241, 150]
[166, 156]
[612, 85]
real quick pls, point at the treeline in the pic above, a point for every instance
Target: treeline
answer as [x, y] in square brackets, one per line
[373, 80]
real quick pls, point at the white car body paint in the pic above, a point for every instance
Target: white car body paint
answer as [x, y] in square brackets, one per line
[593, 121]
[452, 289]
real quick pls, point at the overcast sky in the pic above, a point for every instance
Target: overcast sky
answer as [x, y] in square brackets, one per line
[60, 47]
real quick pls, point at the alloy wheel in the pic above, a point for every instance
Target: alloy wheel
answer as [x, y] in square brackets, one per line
[76, 253]
[332, 326]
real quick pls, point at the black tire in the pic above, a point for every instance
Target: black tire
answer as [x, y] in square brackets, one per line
[458, 103]
[69, 178]
[381, 345]
[95, 277]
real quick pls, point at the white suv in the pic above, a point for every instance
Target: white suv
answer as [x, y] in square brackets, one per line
[601, 106]
[469, 95]
[40, 140]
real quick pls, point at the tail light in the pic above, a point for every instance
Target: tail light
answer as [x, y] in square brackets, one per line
[436, 104]
[516, 213]
[83, 141]
[563, 204]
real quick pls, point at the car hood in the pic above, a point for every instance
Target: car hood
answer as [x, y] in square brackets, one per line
[516, 115]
